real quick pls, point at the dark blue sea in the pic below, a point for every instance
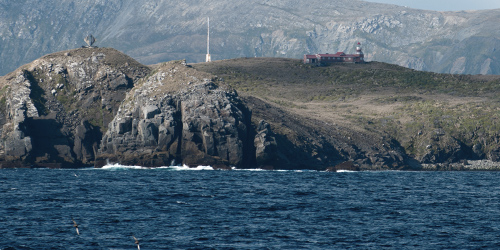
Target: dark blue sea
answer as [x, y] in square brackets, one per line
[173, 208]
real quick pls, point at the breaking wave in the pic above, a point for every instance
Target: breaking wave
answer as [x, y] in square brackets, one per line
[117, 166]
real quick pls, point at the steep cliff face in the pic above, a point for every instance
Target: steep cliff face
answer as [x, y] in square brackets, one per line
[179, 115]
[91, 106]
[160, 30]
[57, 107]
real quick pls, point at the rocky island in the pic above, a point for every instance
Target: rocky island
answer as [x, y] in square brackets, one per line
[92, 106]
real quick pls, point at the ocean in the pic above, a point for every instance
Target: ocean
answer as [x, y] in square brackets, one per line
[178, 208]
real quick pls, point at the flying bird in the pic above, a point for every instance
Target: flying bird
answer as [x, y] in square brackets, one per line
[137, 243]
[76, 226]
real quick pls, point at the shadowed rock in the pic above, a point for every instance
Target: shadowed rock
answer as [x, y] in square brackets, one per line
[57, 106]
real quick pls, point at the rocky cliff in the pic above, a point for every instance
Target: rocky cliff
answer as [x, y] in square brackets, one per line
[57, 107]
[179, 115]
[160, 30]
[92, 106]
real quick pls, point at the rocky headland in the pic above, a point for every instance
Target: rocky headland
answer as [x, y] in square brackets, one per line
[92, 106]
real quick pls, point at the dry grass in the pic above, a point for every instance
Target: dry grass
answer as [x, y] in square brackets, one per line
[374, 98]
[339, 92]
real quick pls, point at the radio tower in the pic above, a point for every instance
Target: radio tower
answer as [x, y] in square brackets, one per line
[209, 59]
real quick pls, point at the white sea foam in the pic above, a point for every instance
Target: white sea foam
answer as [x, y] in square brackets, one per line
[186, 168]
[346, 171]
[250, 169]
[117, 166]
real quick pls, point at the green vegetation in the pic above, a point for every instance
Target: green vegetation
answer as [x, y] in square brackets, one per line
[425, 122]
[64, 100]
[59, 79]
[65, 94]
[95, 115]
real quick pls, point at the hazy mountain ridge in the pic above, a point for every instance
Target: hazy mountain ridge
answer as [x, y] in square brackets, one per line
[160, 30]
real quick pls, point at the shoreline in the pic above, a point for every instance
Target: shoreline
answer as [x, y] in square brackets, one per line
[466, 165]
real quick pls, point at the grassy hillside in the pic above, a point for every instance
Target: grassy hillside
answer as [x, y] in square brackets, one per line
[435, 117]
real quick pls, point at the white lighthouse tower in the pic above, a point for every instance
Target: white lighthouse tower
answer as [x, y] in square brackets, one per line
[208, 58]
[359, 53]
[358, 49]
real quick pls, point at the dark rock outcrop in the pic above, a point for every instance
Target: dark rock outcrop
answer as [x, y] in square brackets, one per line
[266, 148]
[293, 142]
[57, 107]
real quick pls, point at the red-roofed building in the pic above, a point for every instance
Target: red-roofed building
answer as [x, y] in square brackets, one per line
[339, 57]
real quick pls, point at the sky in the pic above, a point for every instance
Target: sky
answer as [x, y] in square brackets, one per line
[445, 5]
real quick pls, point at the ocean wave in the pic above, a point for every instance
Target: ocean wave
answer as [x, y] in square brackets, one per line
[346, 171]
[186, 168]
[117, 166]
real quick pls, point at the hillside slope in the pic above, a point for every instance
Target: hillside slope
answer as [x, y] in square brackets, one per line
[161, 30]
[436, 118]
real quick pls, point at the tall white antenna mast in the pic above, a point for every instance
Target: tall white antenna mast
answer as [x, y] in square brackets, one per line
[208, 59]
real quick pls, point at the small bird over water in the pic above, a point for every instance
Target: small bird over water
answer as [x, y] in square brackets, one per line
[76, 226]
[137, 243]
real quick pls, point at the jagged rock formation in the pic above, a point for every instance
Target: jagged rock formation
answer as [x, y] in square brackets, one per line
[179, 115]
[265, 144]
[57, 107]
[156, 31]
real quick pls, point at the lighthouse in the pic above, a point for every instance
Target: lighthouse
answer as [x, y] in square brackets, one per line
[359, 52]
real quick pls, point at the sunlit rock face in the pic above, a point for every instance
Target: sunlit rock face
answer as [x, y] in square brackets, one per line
[179, 115]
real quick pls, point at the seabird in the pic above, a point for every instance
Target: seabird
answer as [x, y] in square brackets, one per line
[137, 243]
[76, 226]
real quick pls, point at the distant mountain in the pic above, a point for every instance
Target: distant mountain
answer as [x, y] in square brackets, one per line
[159, 30]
